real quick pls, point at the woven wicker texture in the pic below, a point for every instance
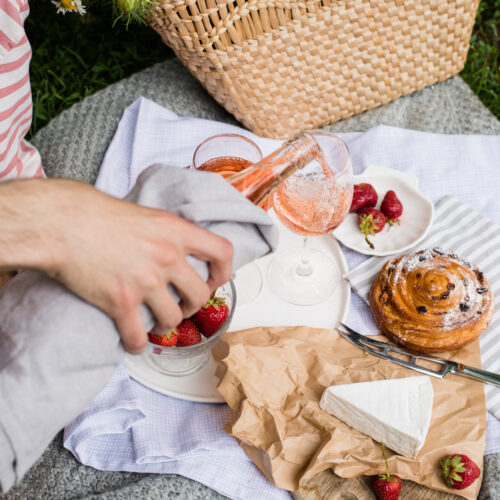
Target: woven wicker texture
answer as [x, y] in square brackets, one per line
[284, 65]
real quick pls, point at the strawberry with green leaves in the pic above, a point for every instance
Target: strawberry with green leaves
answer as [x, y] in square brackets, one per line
[212, 316]
[168, 339]
[370, 222]
[387, 486]
[391, 207]
[459, 471]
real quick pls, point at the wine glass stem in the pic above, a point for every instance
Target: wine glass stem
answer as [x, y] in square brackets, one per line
[304, 267]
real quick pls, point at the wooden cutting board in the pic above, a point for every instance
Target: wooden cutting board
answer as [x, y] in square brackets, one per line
[328, 486]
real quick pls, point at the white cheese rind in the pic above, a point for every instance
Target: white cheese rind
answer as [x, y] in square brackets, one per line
[396, 412]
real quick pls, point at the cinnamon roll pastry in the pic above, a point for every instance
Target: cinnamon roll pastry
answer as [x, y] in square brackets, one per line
[431, 301]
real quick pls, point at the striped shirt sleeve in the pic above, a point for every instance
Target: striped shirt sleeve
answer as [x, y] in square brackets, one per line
[18, 158]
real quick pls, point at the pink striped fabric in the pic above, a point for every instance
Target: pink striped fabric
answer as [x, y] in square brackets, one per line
[18, 158]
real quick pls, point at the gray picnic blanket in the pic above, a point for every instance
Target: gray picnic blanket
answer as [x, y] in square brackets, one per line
[74, 144]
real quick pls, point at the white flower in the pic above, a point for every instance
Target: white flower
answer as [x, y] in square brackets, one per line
[64, 6]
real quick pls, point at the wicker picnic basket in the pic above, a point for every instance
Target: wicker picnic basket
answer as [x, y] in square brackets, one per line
[280, 66]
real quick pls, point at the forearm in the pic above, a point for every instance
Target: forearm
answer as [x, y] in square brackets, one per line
[113, 253]
[25, 239]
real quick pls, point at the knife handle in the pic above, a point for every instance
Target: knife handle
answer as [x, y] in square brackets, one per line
[485, 376]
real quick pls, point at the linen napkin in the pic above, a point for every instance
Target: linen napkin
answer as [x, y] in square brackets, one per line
[57, 351]
[210, 202]
[149, 133]
[458, 228]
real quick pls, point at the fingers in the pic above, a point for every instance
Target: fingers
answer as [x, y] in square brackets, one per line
[219, 273]
[165, 309]
[217, 252]
[182, 238]
[204, 245]
[193, 291]
[132, 331]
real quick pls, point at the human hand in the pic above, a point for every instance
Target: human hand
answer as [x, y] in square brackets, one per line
[117, 255]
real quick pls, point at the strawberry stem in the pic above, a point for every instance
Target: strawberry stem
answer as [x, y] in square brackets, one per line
[369, 242]
[368, 225]
[386, 464]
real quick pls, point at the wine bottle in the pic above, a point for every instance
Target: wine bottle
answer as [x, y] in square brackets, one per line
[257, 182]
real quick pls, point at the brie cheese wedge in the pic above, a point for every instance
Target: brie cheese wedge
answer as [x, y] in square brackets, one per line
[395, 412]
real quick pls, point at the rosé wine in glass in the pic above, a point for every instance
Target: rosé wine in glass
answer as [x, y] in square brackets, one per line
[312, 201]
[225, 165]
[309, 206]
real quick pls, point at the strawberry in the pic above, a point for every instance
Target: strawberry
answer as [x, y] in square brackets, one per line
[168, 339]
[189, 333]
[459, 471]
[386, 486]
[364, 195]
[391, 207]
[370, 221]
[212, 316]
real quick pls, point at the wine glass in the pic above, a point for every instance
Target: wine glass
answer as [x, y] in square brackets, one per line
[227, 154]
[312, 201]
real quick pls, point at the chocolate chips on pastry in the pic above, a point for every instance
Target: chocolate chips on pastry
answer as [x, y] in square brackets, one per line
[431, 301]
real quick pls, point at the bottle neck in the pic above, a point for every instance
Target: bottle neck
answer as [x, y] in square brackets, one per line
[257, 181]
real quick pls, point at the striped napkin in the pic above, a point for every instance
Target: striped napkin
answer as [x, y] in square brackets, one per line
[458, 228]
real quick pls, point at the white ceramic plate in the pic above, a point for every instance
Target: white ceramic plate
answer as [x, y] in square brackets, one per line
[415, 222]
[266, 310]
[200, 386]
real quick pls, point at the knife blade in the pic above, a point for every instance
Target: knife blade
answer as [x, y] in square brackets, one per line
[446, 366]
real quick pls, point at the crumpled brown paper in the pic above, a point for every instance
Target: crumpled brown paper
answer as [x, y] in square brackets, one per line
[275, 378]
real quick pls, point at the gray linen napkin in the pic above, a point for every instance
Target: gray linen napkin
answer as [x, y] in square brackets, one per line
[57, 351]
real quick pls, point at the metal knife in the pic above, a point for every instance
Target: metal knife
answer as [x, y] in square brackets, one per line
[383, 350]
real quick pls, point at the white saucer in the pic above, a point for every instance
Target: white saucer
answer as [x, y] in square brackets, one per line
[200, 386]
[266, 310]
[418, 213]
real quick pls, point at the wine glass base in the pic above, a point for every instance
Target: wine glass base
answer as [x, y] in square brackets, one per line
[288, 284]
[248, 283]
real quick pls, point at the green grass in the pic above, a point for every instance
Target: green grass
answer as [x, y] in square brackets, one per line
[482, 69]
[75, 56]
